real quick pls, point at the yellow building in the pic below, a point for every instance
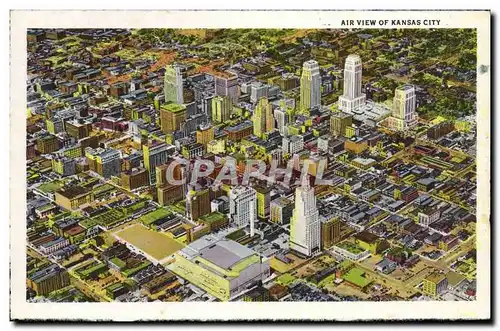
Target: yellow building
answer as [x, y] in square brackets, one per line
[371, 242]
[263, 120]
[204, 135]
[171, 117]
[64, 166]
[73, 152]
[221, 267]
[263, 201]
[217, 146]
[221, 109]
[435, 284]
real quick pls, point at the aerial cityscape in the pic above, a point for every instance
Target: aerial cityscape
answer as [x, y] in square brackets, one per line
[181, 165]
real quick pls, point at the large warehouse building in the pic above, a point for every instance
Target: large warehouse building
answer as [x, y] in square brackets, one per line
[221, 267]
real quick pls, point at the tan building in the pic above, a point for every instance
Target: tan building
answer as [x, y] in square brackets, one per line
[47, 144]
[135, 178]
[197, 204]
[72, 197]
[204, 135]
[330, 232]
[171, 117]
[47, 280]
[338, 123]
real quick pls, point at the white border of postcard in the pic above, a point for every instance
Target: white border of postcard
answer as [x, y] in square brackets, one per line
[298, 311]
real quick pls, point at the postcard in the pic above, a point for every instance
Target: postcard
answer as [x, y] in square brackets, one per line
[250, 165]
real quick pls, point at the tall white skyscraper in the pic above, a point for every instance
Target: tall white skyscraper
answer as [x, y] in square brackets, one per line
[173, 85]
[281, 119]
[352, 97]
[310, 86]
[305, 228]
[404, 105]
[243, 206]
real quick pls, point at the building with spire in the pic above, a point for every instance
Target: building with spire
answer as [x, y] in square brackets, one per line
[173, 88]
[305, 227]
[310, 86]
[352, 98]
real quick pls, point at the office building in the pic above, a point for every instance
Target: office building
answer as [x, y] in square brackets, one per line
[221, 267]
[263, 201]
[204, 134]
[48, 279]
[197, 204]
[134, 178]
[171, 117]
[305, 228]
[221, 109]
[435, 284]
[64, 166]
[104, 161]
[258, 91]
[173, 88]
[281, 210]
[352, 98]
[310, 86]
[47, 144]
[330, 231]
[155, 153]
[243, 206]
[263, 120]
[226, 84]
[339, 122]
[72, 197]
[292, 144]
[282, 119]
[404, 106]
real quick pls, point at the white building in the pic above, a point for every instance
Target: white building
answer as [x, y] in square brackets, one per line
[281, 119]
[243, 206]
[352, 98]
[305, 228]
[257, 91]
[428, 217]
[293, 144]
[404, 105]
[173, 89]
[310, 86]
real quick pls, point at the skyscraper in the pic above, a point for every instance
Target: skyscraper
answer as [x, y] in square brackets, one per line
[154, 153]
[310, 86]
[243, 206]
[352, 98]
[173, 89]
[305, 228]
[263, 120]
[226, 84]
[281, 117]
[221, 109]
[403, 109]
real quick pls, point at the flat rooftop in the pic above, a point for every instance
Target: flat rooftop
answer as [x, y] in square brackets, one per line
[222, 252]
